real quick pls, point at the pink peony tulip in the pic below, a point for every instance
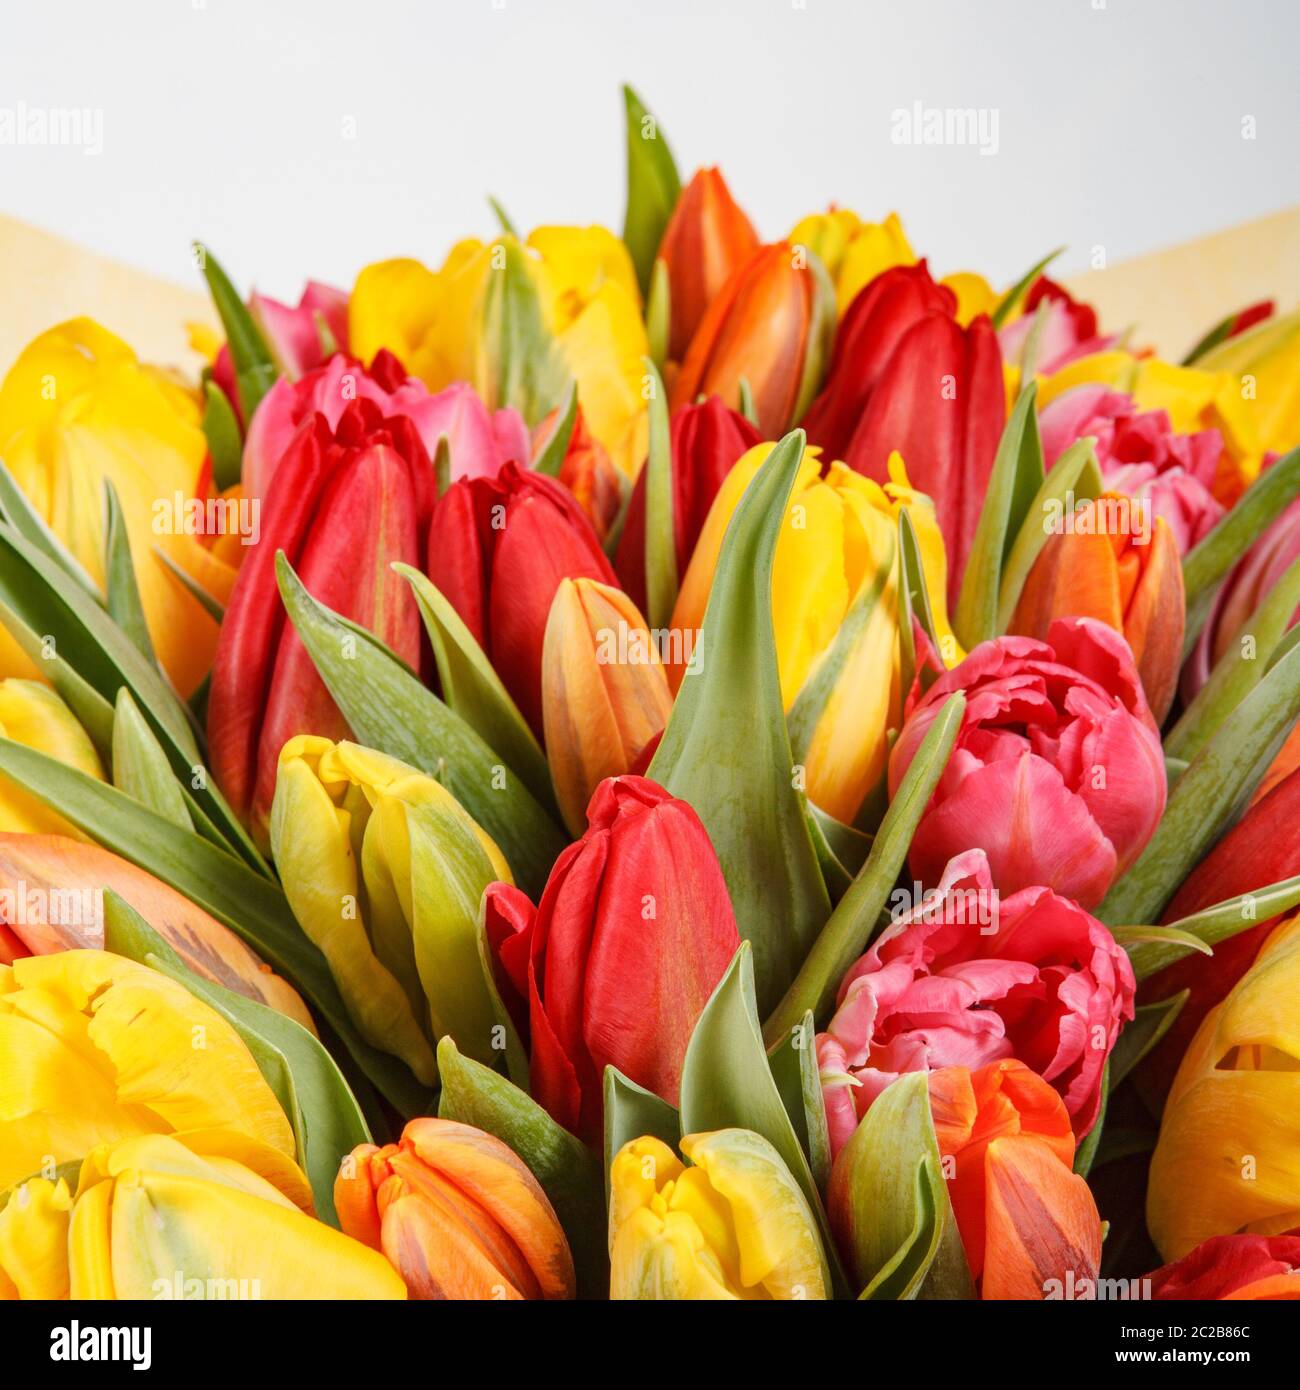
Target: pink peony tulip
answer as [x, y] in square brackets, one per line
[1057, 772]
[1141, 456]
[966, 978]
[481, 440]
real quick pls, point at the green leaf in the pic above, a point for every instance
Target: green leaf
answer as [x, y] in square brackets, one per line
[846, 933]
[255, 369]
[124, 606]
[898, 1227]
[726, 749]
[1013, 485]
[1032, 348]
[747, 407]
[251, 905]
[1210, 795]
[793, 1062]
[1075, 478]
[17, 510]
[660, 523]
[211, 606]
[473, 690]
[388, 709]
[568, 1171]
[727, 1081]
[221, 429]
[1132, 938]
[502, 217]
[140, 767]
[1021, 288]
[632, 1112]
[1241, 668]
[1149, 1024]
[1209, 562]
[821, 336]
[552, 453]
[327, 1121]
[841, 849]
[1086, 1154]
[524, 366]
[658, 313]
[653, 187]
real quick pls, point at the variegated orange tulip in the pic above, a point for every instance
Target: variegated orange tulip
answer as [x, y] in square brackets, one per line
[604, 691]
[457, 1214]
[1112, 565]
[1028, 1222]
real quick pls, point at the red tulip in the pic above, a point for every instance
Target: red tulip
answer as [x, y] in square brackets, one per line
[498, 548]
[1057, 773]
[872, 326]
[1237, 1267]
[631, 936]
[707, 237]
[363, 490]
[941, 403]
[706, 440]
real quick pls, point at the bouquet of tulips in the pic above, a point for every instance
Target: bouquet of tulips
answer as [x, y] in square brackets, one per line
[652, 767]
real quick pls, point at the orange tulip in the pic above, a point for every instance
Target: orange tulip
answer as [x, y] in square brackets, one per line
[707, 237]
[604, 691]
[587, 471]
[1109, 567]
[457, 1214]
[760, 326]
[1028, 1223]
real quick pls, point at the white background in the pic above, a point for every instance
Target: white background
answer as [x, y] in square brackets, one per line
[1120, 121]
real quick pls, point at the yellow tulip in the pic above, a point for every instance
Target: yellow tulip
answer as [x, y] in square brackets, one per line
[78, 408]
[210, 1215]
[734, 1225]
[1228, 1156]
[32, 714]
[835, 612]
[384, 870]
[440, 323]
[1265, 363]
[95, 1048]
[975, 296]
[854, 252]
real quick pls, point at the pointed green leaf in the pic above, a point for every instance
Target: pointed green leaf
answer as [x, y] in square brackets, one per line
[653, 187]
[658, 313]
[660, 523]
[568, 1171]
[502, 217]
[211, 606]
[522, 362]
[1149, 1024]
[1086, 1154]
[221, 429]
[552, 453]
[747, 407]
[387, 708]
[632, 1112]
[18, 511]
[140, 767]
[1030, 352]
[255, 369]
[124, 606]
[726, 749]
[794, 1068]
[846, 933]
[821, 336]
[1017, 292]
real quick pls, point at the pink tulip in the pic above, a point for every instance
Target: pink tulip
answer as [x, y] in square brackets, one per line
[1069, 333]
[966, 978]
[480, 440]
[1057, 772]
[1141, 456]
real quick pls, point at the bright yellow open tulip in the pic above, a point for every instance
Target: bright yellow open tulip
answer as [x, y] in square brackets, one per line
[734, 1225]
[1265, 362]
[384, 870]
[443, 327]
[854, 252]
[78, 407]
[1228, 1157]
[211, 1215]
[95, 1048]
[32, 714]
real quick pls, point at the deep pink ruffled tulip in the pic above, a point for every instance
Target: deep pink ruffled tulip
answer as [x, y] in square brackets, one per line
[1057, 770]
[481, 440]
[1069, 333]
[1141, 456]
[966, 978]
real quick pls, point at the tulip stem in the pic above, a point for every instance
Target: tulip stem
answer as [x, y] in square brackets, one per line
[849, 927]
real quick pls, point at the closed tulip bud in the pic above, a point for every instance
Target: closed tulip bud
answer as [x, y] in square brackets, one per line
[33, 714]
[604, 692]
[457, 1214]
[854, 252]
[631, 936]
[941, 403]
[1126, 575]
[707, 237]
[1028, 1223]
[868, 334]
[96, 1048]
[835, 614]
[498, 549]
[1227, 1158]
[384, 871]
[213, 1214]
[1018, 786]
[706, 440]
[761, 326]
[734, 1225]
[364, 490]
[1239, 1268]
